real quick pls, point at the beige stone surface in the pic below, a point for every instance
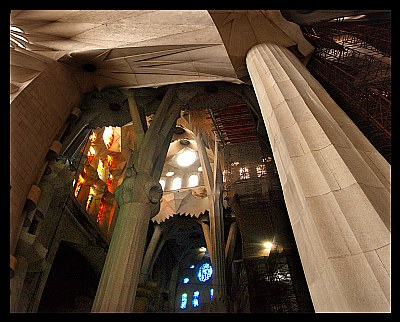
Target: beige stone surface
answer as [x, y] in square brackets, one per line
[325, 170]
[365, 293]
[377, 164]
[363, 218]
[358, 167]
[382, 207]
[337, 167]
[310, 248]
[384, 254]
[296, 144]
[310, 176]
[337, 197]
[381, 274]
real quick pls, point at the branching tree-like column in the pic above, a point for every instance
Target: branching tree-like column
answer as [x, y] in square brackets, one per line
[213, 183]
[139, 199]
[336, 185]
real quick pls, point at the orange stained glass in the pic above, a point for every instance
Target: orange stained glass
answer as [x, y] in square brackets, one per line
[93, 137]
[90, 198]
[102, 207]
[109, 160]
[108, 136]
[91, 153]
[109, 179]
[100, 166]
[79, 185]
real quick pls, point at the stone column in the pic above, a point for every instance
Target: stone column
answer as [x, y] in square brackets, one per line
[150, 251]
[230, 243]
[213, 183]
[336, 185]
[138, 197]
[120, 276]
[206, 233]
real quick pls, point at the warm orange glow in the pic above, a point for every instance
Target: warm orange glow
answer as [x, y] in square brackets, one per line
[102, 207]
[109, 179]
[93, 137]
[90, 199]
[109, 160]
[108, 136]
[79, 185]
[90, 154]
[100, 167]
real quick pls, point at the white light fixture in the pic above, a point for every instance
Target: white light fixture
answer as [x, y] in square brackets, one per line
[186, 158]
[202, 249]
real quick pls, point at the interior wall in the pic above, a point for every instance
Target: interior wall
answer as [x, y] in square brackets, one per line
[37, 113]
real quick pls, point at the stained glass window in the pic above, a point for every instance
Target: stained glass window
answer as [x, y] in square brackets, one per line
[183, 301]
[204, 273]
[185, 280]
[211, 293]
[196, 300]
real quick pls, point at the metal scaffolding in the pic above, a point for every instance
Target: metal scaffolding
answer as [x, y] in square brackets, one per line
[352, 60]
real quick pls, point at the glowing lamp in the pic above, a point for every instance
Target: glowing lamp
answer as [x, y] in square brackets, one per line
[268, 245]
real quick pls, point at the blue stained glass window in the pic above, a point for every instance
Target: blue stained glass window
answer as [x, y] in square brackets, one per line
[196, 300]
[211, 293]
[204, 273]
[185, 280]
[183, 301]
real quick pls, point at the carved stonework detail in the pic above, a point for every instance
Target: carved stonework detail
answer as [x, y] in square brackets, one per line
[139, 188]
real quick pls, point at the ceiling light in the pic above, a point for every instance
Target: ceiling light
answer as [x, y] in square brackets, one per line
[186, 158]
[202, 249]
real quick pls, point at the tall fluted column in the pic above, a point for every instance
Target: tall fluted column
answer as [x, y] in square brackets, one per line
[336, 185]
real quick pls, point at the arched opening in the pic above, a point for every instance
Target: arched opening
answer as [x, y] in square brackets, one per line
[71, 285]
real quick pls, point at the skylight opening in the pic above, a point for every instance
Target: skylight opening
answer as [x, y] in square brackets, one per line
[186, 158]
